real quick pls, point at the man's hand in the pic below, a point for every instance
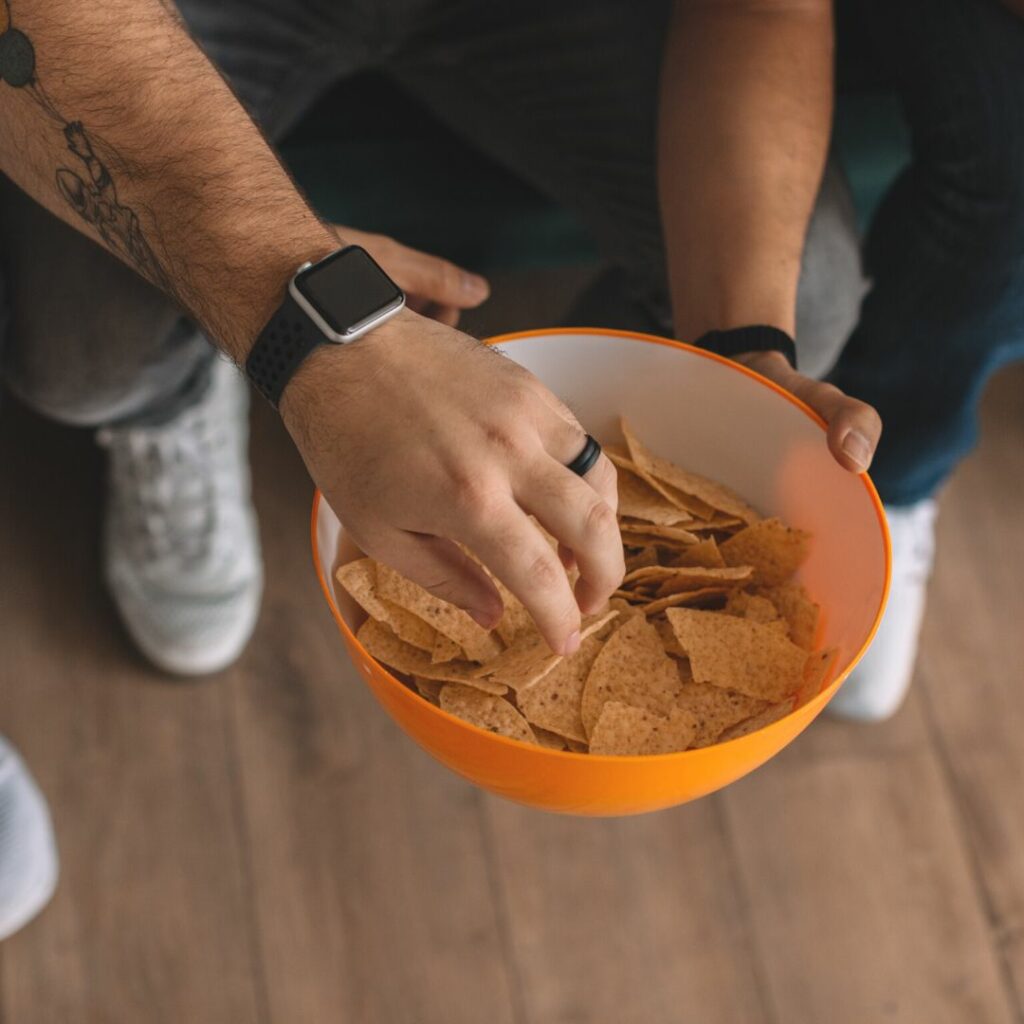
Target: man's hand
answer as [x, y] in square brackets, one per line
[423, 439]
[853, 426]
[433, 286]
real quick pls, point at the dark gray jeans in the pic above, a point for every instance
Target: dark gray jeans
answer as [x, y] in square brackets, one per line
[563, 94]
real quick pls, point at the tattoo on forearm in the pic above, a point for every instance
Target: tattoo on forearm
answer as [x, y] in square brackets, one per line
[87, 186]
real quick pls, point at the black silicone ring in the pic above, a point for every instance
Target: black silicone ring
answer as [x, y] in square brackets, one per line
[584, 462]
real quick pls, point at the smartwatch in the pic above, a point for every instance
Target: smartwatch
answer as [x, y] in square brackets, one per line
[333, 301]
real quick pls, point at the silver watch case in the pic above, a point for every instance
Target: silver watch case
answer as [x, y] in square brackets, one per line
[358, 329]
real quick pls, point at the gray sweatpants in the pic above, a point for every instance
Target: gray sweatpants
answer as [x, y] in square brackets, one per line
[564, 94]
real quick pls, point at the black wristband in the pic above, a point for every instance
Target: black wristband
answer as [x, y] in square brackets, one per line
[759, 338]
[282, 345]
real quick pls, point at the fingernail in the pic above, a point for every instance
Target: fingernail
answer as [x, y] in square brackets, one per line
[475, 287]
[572, 644]
[855, 444]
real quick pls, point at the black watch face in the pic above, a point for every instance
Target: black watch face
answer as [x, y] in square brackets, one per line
[347, 288]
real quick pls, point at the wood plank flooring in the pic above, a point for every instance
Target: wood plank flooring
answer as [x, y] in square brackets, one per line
[266, 848]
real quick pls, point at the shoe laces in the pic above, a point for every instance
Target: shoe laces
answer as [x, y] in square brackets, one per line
[176, 485]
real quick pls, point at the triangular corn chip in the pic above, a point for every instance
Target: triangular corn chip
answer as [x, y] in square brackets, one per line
[797, 608]
[553, 702]
[380, 640]
[529, 659]
[715, 709]
[714, 495]
[495, 714]
[632, 668]
[739, 654]
[774, 550]
[453, 622]
[624, 730]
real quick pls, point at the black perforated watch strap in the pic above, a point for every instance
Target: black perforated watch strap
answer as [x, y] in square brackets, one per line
[281, 347]
[759, 338]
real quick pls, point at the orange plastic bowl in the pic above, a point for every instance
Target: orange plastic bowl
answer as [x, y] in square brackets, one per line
[722, 420]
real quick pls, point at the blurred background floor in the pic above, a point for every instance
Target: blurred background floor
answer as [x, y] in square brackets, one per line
[265, 847]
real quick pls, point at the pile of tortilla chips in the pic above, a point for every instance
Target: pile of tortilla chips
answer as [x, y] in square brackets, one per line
[709, 637]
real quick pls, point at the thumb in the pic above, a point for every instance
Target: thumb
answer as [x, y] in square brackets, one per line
[854, 427]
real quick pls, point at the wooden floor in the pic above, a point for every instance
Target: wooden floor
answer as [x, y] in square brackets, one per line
[266, 847]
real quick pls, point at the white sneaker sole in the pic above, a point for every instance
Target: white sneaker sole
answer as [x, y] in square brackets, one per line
[33, 902]
[212, 657]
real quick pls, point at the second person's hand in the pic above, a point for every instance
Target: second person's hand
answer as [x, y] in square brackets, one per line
[854, 427]
[433, 286]
[423, 439]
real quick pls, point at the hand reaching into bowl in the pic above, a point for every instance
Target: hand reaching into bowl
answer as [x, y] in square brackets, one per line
[423, 439]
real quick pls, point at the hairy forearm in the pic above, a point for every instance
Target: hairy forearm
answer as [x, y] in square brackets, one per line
[113, 119]
[744, 124]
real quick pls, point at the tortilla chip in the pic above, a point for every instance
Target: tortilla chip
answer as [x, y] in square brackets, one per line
[625, 610]
[623, 730]
[411, 628]
[657, 574]
[641, 501]
[817, 669]
[551, 740]
[717, 522]
[380, 640]
[632, 668]
[704, 554]
[772, 713]
[739, 654]
[645, 532]
[530, 659]
[515, 620]
[444, 649]
[359, 578]
[713, 495]
[775, 550]
[692, 506]
[453, 622]
[429, 688]
[576, 747]
[553, 702]
[645, 556]
[797, 608]
[715, 709]
[702, 596]
[668, 638]
[495, 714]
[674, 579]
[752, 606]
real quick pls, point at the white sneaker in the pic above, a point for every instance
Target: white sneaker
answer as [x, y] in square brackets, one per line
[182, 554]
[28, 853]
[877, 686]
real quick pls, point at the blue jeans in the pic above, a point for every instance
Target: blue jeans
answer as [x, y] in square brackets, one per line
[946, 249]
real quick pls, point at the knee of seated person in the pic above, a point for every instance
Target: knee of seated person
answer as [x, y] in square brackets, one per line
[88, 380]
[76, 402]
[832, 283]
[981, 186]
